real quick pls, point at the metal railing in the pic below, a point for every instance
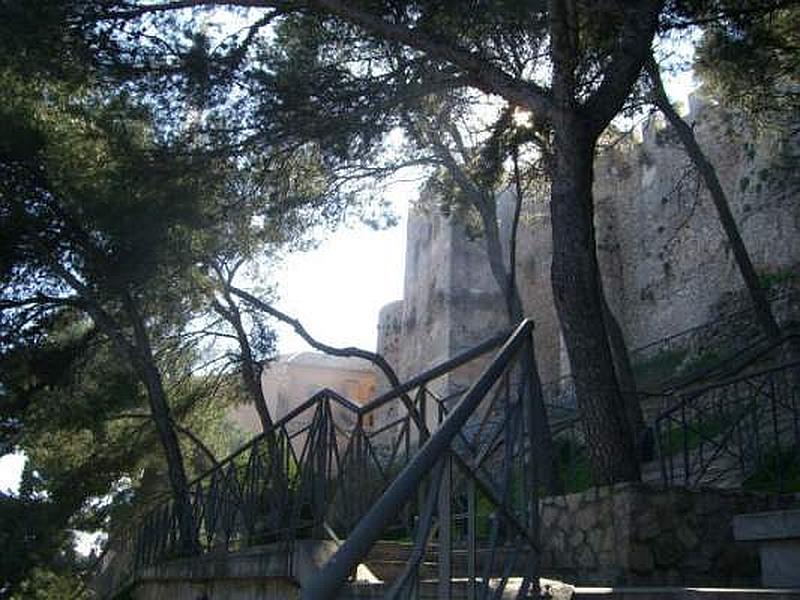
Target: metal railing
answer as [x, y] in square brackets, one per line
[736, 431]
[319, 469]
[725, 434]
[452, 469]
[473, 486]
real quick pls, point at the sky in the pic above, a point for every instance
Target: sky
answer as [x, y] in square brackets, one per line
[337, 289]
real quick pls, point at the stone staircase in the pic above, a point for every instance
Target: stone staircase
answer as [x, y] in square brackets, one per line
[387, 560]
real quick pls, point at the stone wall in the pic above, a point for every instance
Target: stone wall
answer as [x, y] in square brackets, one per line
[634, 534]
[390, 329]
[451, 300]
[665, 262]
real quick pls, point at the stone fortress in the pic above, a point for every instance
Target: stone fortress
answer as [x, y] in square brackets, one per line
[665, 261]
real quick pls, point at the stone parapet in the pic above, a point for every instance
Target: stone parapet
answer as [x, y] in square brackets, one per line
[635, 534]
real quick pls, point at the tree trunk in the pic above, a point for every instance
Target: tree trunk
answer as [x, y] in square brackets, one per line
[547, 468]
[579, 303]
[574, 270]
[251, 377]
[141, 356]
[757, 296]
[250, 373]
[159, 408]
[625, 377]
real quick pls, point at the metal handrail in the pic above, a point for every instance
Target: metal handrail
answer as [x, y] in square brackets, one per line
[736, 411]
[437, 371]
[326, 584]
[687, 397]
[415, 382]
[152, 535]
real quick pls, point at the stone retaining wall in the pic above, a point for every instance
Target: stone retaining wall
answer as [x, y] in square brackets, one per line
[634, 534]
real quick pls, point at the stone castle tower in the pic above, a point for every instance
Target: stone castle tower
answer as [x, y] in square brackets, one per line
[664, 258]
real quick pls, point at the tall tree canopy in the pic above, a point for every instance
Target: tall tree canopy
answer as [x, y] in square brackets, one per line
[153, 148]
[329, 79]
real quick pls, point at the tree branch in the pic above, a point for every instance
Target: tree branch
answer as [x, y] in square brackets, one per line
[348, 352]
[640, 23]
[180, 429]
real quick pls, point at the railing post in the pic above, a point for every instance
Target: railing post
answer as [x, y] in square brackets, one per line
[534, 479]
[776, 433]
[319, 475]
[756, 432]
[422, 397]
[445, 530]
[660, 450]
[685, 445]
[472, 515]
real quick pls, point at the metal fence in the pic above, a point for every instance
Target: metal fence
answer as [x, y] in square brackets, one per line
[451, 471]
[313, 475]
[740, 432]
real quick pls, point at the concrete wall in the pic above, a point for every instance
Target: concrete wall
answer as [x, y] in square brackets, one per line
[261, 573]
[261, 588]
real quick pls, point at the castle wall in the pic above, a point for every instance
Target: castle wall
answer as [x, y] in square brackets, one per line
[451, 300]
[665, 262]
[665, 259]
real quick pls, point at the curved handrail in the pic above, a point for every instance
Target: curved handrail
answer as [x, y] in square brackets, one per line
[739, 418]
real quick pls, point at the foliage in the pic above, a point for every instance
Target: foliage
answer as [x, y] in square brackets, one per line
[660, 367]
[123, 200]
[678, 438]
[774, 279]
[779, 473]
[750, 60]
[105, 227]
[573, 465]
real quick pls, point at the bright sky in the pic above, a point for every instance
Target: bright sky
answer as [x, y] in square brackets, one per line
[10, 472]
[337, 289]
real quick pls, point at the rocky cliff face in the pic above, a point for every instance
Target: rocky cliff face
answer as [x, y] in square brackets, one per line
[666, 264]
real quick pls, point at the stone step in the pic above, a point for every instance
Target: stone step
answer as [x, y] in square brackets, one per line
[429, 591]
[388, 550]
[387, 560]
[683, 593]
[389, 570]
